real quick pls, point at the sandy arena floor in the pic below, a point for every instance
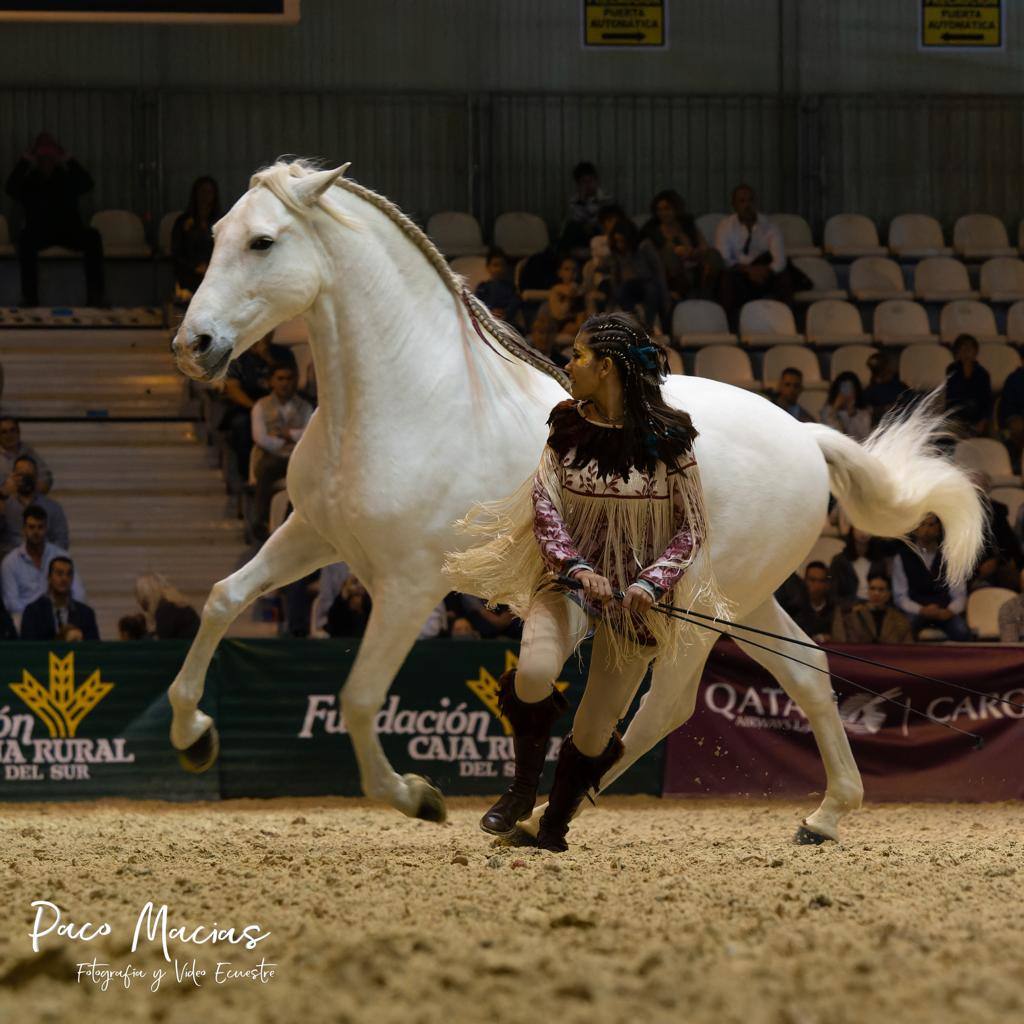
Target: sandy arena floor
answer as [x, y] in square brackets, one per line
[663, 911]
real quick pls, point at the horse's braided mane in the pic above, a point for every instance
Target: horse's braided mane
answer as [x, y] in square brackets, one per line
[276, 178]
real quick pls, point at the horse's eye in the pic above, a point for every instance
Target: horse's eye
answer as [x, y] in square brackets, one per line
[261, 243]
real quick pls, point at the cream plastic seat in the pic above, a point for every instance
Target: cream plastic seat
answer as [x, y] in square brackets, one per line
[1011, 497]
[966, 316]
[1015, 323]
[472, 268]
[849, 235]
[983, 610]
[6, 249]
[1002, 279]
[989, 456]
[823, 279]
[852, 359]
[980, 236]
[941, 279]
[456, 234]
[876, 278]
[1000, 360]
[796, 234]
[520, 233]
[697, 322]
[766, 322]
[916, 236]
[780, 357]
[122, 232]
[898, 322]
[707, 225]
[832, 322]
[923, 367]
[727, 363]
[166, 231]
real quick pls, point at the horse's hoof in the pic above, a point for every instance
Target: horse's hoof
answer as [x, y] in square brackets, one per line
[431, 806]
[201, 755]
[806, 837]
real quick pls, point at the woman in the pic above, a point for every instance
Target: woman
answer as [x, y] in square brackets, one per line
[968, 388]
[168, 614]
[846, 409]
[616, 504]
[851, 568]
[691, 266]
[192, 237]
[637, 281]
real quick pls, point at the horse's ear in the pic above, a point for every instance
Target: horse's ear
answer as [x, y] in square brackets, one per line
[309, 189]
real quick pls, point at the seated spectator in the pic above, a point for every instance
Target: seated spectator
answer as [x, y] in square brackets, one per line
[436, 624]
[581, 224]
[752, 251]
[328, 587]
[846, 409]
[852, 567]
[885, 391]
[792, 596]
[192, 237]
[635, 276]
[131, 627]
[690, 265]
[278, 422]
[487, 622]
[27, 495]
[498, 293]
[968, 389]
[817, 618]
[12, 446]
[566, 303]
[1011, 415]
[874, 621]
[57, 615]
[47, 182]
[787, 394]
[1002, 558]
[167, 612]
[919, 586]
[462, 629]
[348, 615]
[1011, 618]
[23, 572]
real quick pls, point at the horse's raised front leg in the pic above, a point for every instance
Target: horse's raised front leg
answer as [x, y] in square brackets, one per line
[812, 690]
[396, 619]
[293, 551]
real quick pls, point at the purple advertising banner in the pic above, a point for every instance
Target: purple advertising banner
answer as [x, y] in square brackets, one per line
[747, 737]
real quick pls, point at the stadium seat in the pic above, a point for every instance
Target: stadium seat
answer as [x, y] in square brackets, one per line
[472, 268]
[967, 316]
[876, 278]
[916, 236]
[779, 357]
[942, 279]
[456, 234]
[823, 279]
[122, 232]
[697, 322]
[1011, 497]
[824, 550]
[166, 231]
[849, 235]
[988, 455]
[831, 322]
[6, 249]
[852, 359]
[766, 322]
[983, 610]
[898, 322]
[727, 363]
[520, 234]
[707, 225]
[1015, 323]
[923, 367]
[980, 236]
[1000, 360]
[796, 234]
[1002, 280]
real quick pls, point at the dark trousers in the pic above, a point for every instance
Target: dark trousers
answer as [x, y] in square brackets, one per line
[271, 469]
[736, 289]
[85, 240]
[954, 628]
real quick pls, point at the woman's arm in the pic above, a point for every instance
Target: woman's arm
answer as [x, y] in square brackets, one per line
[557, 549]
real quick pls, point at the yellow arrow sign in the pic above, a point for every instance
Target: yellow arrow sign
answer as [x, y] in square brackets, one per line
[623, 23]
[975, 25]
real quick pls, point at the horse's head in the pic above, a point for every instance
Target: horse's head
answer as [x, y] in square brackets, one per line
[267, 267]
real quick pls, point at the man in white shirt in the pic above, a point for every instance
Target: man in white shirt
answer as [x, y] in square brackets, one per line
[753, 253]
[278, 421]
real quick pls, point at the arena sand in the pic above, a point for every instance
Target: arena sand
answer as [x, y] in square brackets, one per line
[663, 911]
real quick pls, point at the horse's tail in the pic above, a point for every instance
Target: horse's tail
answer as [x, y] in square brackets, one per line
[898, 475]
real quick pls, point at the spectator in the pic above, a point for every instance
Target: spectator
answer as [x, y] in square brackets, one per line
[498, 293]
[27, 495]
[635, 276]
[486, 622]
[348, 615]
[846, 409]
[581, 224]
[131, 627]
[1002, 559]
[752, 250]
[11, 446]
[919, 589]
[874, 621]
[1011, 618]
[885, 391]
[8, 631]
[597, 269]
[167, 612]
[436, 624]
[818, 617]
[56, 615]
[851, 569]
[566, 302]
[691, 267]
[47, 182]
[968, 388]
[23, 570]
[192, 237]
[1011, 415]
[462, 629]
[787, 394]
[792, 596]
[278, 421]
[328, 588]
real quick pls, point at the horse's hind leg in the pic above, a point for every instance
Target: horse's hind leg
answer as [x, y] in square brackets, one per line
[293, 551]
[812, 690]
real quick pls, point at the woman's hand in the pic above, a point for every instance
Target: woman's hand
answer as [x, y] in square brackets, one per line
[637, 600]
[595, 587]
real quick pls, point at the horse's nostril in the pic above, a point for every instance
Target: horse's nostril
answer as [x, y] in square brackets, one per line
[203, 342]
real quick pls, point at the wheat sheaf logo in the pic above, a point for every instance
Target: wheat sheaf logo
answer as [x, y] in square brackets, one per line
[485, 686]
[62, 706]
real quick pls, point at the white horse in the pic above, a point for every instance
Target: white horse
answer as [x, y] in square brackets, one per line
[420, 416]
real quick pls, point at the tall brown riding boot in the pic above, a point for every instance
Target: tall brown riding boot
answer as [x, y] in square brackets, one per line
[575, 774]
[531, 727]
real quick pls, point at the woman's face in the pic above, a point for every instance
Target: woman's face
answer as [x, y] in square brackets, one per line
[620, 243]
[567, 272]
[664, 212]
[205, 195]
[586, 369]
[968, 352]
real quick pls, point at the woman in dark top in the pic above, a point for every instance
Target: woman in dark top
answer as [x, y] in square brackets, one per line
[168, 614]
[852, 568]
[968, 388]
[691, 266]
[192, 236]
